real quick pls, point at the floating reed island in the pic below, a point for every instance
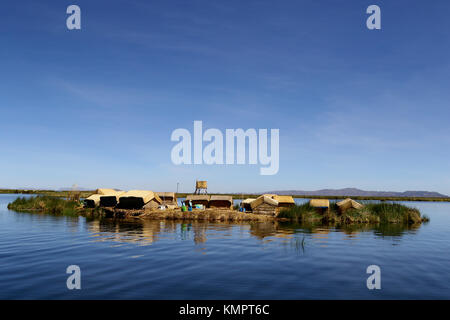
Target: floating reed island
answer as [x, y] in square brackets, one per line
[145, 204]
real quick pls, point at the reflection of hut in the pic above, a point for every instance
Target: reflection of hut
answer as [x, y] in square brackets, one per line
[92, 201]
[246, 204]
[221, 202]
[136, 199]
[168, 198]
[348, 203]
[263, 229]
[285, 201]
[110, 199]
[199, 233]
[198, 199]
[265, 205]
[321, 204]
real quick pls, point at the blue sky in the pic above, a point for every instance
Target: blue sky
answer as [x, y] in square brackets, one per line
[96, 107]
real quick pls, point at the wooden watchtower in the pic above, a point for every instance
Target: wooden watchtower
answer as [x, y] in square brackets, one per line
[201, 187]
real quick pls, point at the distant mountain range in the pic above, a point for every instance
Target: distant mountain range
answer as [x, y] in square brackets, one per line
[353, 192]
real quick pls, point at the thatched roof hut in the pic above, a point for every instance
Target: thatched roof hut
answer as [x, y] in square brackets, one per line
[320, 203]
[105, 191]
[136, 199]
[110, 199]
[348, 203]
[221, 202]
[198, 199]
[284, 201]
[265, 205]
[168, 198]
[246, 204]
[92, 201]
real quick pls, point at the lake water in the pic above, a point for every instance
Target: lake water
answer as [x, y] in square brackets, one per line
[172, 260]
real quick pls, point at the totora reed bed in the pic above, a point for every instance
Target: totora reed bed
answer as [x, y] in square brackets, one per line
[369, 213]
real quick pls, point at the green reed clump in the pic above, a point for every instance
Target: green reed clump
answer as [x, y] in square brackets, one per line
[45, 204]
[393, 212]
[300, 212]
[371, 213]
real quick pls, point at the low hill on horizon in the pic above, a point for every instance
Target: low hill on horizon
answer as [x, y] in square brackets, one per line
[354, 192]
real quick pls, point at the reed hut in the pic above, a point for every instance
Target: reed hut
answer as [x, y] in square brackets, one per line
[137, 199]
[285, 201]
[198, 199]
[92, 201]
[168, 198]
[347, 204]
[246, 204]
[110, 199]
[105, 191]
[265, 205]
[152, 204]
[322, 205]
[221, 202]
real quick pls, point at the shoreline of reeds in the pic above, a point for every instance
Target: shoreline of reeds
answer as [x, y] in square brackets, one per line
[371, 212]
[86, 193]
[384, 212]
[54, 206]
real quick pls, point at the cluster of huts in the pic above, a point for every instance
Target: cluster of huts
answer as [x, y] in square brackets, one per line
[209, 201]
[133, 199]
[323, 205]
[271, 204]
[266, 204]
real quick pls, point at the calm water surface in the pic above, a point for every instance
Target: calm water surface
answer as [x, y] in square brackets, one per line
[171, 260]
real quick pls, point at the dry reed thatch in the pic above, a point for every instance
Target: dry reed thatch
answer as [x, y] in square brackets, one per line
[152, 204]
[136, 199]
[201, 184]
[265, 205]
[193, 197]
[92, 201]
[110, 199]
[168, 198]
[348, 203]
[264, 199]
[221, 202]
[246, 204]
[285, 201]
[320, 203]
[204, 215]
[105, 191]
[198, 199]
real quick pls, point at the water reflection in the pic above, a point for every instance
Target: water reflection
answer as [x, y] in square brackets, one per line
[146, 232]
